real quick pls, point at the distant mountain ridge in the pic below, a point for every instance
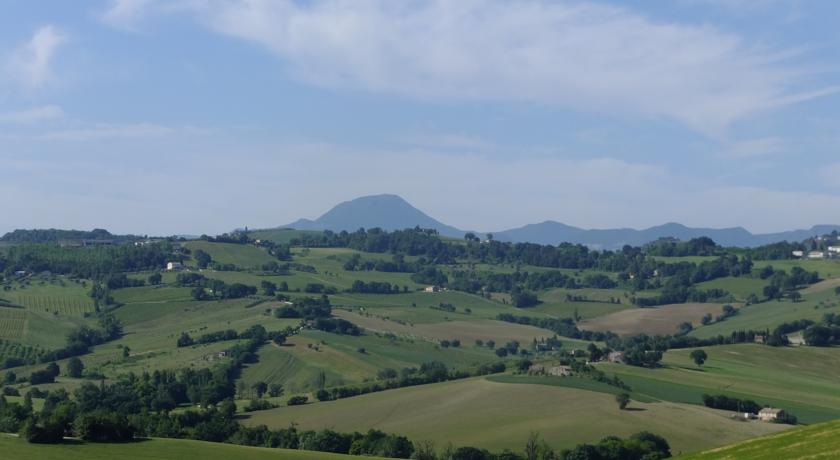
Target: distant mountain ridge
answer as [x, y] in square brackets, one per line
[391, 212]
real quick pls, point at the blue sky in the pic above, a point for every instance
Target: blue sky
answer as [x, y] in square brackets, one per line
[198, 116]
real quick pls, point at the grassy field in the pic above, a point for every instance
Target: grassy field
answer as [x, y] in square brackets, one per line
[740, 287]
[57, 295]
[499, 415]
[821, 441]
[554, 302]
[152, 449]
[280, 235]
[803, 380]
[241, 255]
[767, 315]
[662, 320]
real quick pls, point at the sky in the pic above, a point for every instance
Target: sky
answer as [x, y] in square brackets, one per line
[199, 116]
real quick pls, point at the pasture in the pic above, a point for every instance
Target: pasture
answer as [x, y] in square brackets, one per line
[495, 416]
[599, 302]
[56, 295]
[803, 380]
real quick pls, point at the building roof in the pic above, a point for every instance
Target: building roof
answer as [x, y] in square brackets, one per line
[771, 411]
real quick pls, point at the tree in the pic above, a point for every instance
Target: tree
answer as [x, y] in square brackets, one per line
[532, 446]
[75, 367]
[260, 388]
[268, 288]
[699, 357]
[795, 296]
[202, 259]
[155, 279]
[623, 399]
[706, 319]
[275, 390]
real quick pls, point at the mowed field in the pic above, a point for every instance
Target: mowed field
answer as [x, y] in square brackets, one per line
[802, 380]
[495, 416]
[599, 302]
[152, 449]
[661, 320]
[821, 441]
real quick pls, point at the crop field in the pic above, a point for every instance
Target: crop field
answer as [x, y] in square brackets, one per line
[802, 380]
[499, 415]
[826, 268]
[57, 295]
[152, 449]
[467, 331]
[12, 322]
[821, 441]
[662, 320]
[740, 287]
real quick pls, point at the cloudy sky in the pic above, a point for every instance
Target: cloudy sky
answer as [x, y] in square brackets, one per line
[198, 116]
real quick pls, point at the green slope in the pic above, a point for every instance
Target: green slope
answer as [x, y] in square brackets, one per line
[820, 441]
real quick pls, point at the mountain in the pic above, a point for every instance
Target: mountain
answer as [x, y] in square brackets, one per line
[388, 212]
[550, 232]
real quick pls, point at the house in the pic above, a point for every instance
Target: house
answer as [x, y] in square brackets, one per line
[433, 289]
[769, 414]
[174, 266]
[536, 369]
[20, 273]
[798, 253]
[616, 357]
[816, 255]
[559, 371]
[834, 250]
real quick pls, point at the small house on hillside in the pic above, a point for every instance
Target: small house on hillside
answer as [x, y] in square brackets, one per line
[174, 266]
[616, 357]
[559, 371]
[770, 414]
[816, 255]
[536, 369]
[433, 289]
[798, 253]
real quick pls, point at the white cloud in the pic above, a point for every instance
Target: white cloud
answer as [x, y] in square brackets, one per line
[100, 131]
[125, 14]
[752, 148]
[31, 63]
[577, 55]
[32, 115]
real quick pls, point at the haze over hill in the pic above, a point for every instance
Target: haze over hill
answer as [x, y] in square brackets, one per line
[391, 212]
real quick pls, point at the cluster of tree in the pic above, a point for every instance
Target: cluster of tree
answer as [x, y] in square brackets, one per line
[207, 288]
[54, 235]
[46, 375]
[375, 287]
[471, 281]
[775, 251]
[121, 280]
[397, 264]
[640, 446]
[672, 247]
[824, 334]
[782, 283]
[561, 326]
[307, 308]
[337, 326]
[86, 262]
[279, 337]
[319, 288]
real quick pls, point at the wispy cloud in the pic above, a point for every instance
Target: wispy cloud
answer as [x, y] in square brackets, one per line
[31, 63]
[125, 14]
[752, 148]
[102, 131]
[32, 115]
[574, 55]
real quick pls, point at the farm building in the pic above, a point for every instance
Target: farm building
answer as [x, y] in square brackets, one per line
[174, 266]
[433, 289]
[834, 249]
[816, 255]
[616, 357]
[798, 253]
[769, 414]
[559, 371]
[536, 369]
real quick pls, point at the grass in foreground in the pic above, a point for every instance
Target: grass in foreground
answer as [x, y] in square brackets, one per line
[820, 441]
[152, 449]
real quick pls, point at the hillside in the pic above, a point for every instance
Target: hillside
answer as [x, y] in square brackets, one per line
[820, 441]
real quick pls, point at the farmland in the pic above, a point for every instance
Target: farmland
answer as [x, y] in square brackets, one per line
[661, 320]
[499, 415]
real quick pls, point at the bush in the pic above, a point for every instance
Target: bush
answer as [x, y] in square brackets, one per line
[103, 427]
[41, 432]
[297, 401]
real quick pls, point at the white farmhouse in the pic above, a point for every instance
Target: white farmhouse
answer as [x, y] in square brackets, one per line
[174, 266]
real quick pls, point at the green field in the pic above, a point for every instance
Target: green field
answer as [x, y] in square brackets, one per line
[803, 380]
[152, 449]
[821, 441]
[241, 255]
[495, 416]
[55, 294]
[554, 302]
